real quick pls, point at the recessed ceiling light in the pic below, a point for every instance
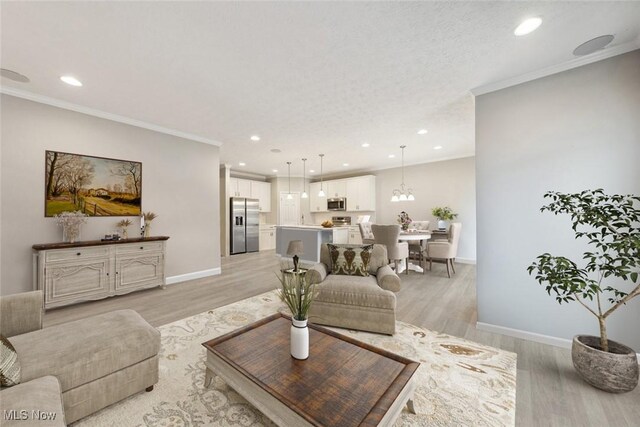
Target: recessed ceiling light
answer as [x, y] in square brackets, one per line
[276, 150]
[345, 164]
[255, 138]
[422, 132]
[437, 147]
[391, 156]
[70, 80]
[366, 144]
[275, 170]
[311, 171]
[527, 26]
[242, 163]
[13, 75]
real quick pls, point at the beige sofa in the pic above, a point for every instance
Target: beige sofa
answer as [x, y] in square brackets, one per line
[92, 362]
[354, 302]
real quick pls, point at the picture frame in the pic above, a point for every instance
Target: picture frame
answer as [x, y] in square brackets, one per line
[97, 186]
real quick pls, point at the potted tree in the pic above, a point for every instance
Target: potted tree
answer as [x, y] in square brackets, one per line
[607, 281]
[443, 214]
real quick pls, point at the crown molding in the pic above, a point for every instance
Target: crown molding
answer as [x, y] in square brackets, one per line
[103, 115]
[554, 69]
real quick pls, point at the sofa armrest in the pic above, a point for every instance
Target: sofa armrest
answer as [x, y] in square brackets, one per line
[388, 279]
[21, 313]
[316, 274]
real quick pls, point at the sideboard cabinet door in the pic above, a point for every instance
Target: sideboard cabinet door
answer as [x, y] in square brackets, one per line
[139, 271]
[68, 282]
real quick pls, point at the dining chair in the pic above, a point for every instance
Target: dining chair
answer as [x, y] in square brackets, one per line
[388, 235]
[444, 250]
[417, 247]
[366, 233]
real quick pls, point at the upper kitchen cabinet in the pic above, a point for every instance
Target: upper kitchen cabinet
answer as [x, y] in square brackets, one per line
[262, 191]
[317, 203]
[336, 188]
[250, 189]
[240, 187]
[361, 193]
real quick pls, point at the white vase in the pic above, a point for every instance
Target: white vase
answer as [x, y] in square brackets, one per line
[299, 339]
[442, 225]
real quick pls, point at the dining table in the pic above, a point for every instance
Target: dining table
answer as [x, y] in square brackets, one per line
[412, 236]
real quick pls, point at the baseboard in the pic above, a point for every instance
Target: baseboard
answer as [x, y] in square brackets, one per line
[194, 275]
[466, 261]
[526, 335]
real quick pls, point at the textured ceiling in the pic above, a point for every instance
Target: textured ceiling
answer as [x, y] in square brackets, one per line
[307, 77]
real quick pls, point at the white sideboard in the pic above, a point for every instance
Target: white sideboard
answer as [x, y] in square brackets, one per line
[68, 273]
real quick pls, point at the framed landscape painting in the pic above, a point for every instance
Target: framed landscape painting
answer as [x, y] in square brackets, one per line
[97, 186]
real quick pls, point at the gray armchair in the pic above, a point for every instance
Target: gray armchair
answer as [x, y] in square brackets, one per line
[83, 366]
[387, 235]
[355, 302]
[445, 250]
[365, 233]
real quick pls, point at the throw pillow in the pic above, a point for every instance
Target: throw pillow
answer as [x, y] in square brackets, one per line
[350, 260]
[9, 365]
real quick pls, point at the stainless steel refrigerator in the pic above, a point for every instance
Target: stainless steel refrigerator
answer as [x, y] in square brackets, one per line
[245, 220]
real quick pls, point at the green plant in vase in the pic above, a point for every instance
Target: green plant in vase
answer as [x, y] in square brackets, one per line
[443, 214]
[298, 294]
[607, 281]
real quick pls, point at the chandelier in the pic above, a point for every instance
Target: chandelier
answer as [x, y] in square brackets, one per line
[402, 195]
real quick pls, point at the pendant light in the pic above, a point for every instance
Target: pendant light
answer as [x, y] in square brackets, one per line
[401, 195]
[321, 193]
[304, 179]
[289, 196]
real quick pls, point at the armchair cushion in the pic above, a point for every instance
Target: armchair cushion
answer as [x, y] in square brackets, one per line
[388, 279]
[9, 364]
[354, 291]
[317, 273]
[350, 260]
[21, 313]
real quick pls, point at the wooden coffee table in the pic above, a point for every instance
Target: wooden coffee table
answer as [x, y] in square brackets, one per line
[343, 382]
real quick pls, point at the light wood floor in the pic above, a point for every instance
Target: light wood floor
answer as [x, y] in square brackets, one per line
[549, 391]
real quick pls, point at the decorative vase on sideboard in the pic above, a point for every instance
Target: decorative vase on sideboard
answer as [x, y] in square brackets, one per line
[442, 225]
[299, 339]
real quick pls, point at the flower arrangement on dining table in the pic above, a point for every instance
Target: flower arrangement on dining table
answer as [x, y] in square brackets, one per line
[404, 220]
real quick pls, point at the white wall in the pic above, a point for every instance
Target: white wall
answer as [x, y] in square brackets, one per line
[179, 183]
[445, 183]
[575, 130]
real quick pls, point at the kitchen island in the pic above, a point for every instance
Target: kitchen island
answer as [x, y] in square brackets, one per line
[312, 237]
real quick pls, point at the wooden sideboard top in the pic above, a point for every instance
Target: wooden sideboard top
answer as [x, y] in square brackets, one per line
[63, 245]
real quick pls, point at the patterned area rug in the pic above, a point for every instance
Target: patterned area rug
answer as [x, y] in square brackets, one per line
[458, 383]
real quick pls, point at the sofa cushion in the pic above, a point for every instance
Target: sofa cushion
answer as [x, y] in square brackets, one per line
[378, 258]
[87, 349]
[9, 364]
[33, 403]
[350, 260]
[354, 290]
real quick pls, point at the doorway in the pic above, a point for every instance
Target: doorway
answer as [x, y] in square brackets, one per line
[289, 209]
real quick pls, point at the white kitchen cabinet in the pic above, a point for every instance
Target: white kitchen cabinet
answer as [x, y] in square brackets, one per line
[244, 188]
[354, 235]
[337, 188]
[267, 238]
[262, 191]
[361, 193]
[317, 203]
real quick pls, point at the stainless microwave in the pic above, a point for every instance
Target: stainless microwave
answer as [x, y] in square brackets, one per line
[337, 204]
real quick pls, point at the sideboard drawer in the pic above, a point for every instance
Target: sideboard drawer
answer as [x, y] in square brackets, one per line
[76, 253]
[138, 248]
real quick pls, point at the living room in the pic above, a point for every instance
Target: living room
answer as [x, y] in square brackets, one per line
[192, 95]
